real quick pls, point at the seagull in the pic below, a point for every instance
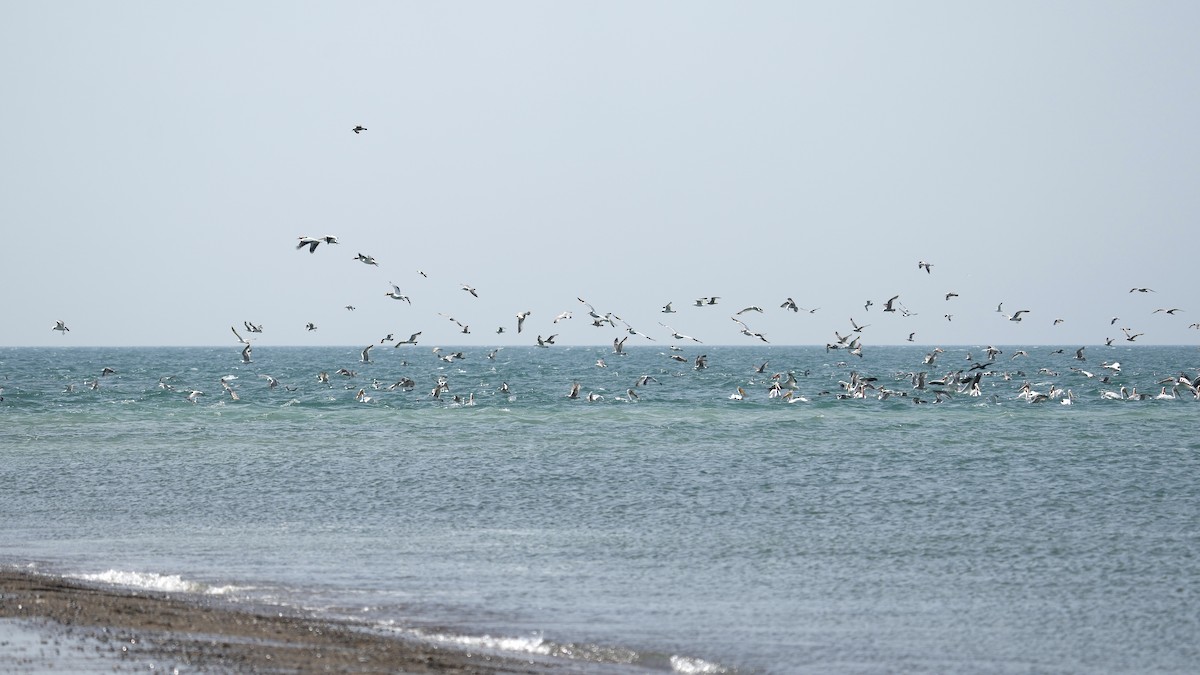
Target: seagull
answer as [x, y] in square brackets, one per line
[350, 308]
[521, 319]
[561, 317]
[366, 354]
[389, 338]
[887, 307]
[1079, 353]
[790, 304]
[867, 307]
[240, 339]
[412, 339]
[359, 128]
[1141, 290]
[246, 353]
[574, 393]
[927, 266]
[739, 395]
[546, 342]
[857, 328]
[676, 334]
[1016, 316]
[754, 308]
[619, 345]
[1168, 311]
[312, 242]
[667, 309]
[193, 395]
[61, 327]
[470, 290]
[951, 294]
[366, 259]
[1057, 321]
[910, 336]
[310, 326]
[1131, 337]
[395, 294]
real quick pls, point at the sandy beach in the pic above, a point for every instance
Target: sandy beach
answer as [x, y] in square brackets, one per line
[48, 624]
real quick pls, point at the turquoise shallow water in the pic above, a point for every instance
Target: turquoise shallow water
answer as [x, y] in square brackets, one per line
[683, 530]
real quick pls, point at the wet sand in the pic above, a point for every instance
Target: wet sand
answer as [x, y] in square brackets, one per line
[124, 630]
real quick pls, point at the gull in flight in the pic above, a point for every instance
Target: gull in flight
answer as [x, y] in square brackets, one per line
[470, 290]
[521, 316]
[395, 294]
[358, 128]
[1131, 337]
[252, 328]
[888, 306]
[1168, 311]
[667, 309]
[412, 339]
[791, 304]
[1141, 290]
[366, 354]
[951, 294]
[61, 327]
[928, 267]
[366, 259]
[313, 242]
[754, 308]
[676, 334]
[562, 316]
[546, 342]
[1016, 316]
[240, 339]
[246, 353]
[310, 326]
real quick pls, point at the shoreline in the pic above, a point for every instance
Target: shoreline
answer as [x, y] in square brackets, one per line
[119, 629]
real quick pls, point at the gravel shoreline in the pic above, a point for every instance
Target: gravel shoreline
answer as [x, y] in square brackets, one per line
[134, 629]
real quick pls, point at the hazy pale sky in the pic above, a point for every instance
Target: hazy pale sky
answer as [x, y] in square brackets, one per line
[160, 161]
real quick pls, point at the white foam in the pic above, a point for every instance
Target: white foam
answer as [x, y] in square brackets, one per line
[171, 583]
[688, 665]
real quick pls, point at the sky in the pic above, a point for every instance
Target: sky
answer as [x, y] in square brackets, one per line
[161, 160]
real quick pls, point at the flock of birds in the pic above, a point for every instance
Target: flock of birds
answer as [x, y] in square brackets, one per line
[965, 381]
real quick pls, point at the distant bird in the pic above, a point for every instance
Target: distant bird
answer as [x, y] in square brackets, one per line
[1141, 290]
[911, 336]
[389, 338]
[246, 353]
[1079, 353]
[412, 339]
[791, 304]
[562, 316]
[1131, 336]
[667, 309]
[499, 330]
[888, 306]
[867, 307]
[1000, 308]
[240, 339]
[521, 316]
[928, 267]
[574, 393]
[359, 129]
[350, 308]
[1057, 321]
[310, 326]
[739, 395]
[619, 345]
[1115, 319]
[951, 294]
[366, 259]
[470, 290]
[252, 327]
[857, 328]
[61, 327]
[395, 294]
[193, 395]
[949, 317]
[546, 342]
[754, 308]
[366, 354]
[313, 242]
[1168, 311]
[1016, 316]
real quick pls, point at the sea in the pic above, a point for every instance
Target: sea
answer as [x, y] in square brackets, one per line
[760, 510]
